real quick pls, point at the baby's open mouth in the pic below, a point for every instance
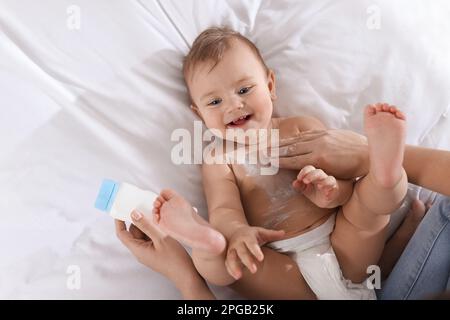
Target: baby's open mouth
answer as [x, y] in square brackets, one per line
[239, 122]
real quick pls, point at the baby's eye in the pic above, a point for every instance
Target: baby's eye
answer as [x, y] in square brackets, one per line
[215, 102]
[244, 90]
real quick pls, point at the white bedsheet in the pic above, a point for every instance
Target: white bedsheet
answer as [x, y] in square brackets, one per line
[80, 105]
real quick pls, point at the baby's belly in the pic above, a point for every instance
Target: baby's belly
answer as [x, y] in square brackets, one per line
[295, 215]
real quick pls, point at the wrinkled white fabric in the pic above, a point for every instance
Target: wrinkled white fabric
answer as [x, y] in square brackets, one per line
[79, 105]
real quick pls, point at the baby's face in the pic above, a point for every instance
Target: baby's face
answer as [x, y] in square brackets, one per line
[237, 93]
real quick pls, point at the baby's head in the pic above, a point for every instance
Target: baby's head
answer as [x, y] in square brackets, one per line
[229, 84]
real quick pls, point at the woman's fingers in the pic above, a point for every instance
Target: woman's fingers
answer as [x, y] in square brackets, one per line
[137, 233]
[305, 136]
[125, 236]
[121, 230]
[294, 163]
[429, 202]
[295, 149]
[147, 226]
[417, 205]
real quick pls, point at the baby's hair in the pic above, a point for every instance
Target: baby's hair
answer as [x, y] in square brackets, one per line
[211, 44]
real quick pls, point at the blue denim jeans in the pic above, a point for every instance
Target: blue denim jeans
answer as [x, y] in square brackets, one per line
[424, 267]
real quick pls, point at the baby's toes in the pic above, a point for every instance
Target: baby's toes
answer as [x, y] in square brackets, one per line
[371, 109]
[400, 115]
[156, 216]
[379, 107]
[157, 204]
[385, 107]
[156, 210]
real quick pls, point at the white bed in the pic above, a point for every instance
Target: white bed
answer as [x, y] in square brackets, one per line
[78, 105]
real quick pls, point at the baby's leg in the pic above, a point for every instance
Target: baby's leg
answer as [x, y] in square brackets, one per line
[360, 233]
[277, 277]
[176, 217]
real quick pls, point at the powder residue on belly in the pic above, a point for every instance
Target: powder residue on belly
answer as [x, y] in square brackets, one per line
[279, 191]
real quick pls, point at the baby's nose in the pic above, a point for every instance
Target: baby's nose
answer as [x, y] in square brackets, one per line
[236, 104]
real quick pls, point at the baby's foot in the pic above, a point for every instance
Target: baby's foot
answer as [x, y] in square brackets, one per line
[176, 217]
[385, 127]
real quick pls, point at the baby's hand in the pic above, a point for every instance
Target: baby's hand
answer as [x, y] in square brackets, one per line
[245, 245]
[317, 186]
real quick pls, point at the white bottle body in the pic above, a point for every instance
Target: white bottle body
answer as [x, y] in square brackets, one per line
[129, 198]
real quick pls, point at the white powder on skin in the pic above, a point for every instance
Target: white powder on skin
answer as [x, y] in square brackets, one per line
[279, 191]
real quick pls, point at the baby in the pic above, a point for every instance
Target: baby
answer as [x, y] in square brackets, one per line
[333, 229]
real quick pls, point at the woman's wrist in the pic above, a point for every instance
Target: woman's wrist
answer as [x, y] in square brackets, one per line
[195, 288]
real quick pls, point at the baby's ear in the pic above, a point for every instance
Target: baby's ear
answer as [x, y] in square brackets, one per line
[271, 84]
[196, 111]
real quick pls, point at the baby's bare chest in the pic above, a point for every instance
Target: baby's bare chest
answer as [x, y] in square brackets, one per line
[270, 201]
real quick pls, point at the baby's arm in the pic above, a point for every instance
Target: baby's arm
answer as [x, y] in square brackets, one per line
[227, 215]
[222, 196]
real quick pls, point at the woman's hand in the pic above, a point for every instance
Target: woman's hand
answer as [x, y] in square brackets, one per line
[341, 153]
[163, 254]
[397, 243]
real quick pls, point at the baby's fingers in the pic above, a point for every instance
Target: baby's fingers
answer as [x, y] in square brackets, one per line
[304, 172]
[299, 185]
[315, 176]
[255, 249]
[267, 235]
[232, 264]
[328, 183]
[246, 258]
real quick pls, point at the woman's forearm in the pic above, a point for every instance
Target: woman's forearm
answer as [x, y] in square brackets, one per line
[196, 289]
[429, 168]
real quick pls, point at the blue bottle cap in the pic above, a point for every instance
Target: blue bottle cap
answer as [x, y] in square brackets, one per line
[106, 195]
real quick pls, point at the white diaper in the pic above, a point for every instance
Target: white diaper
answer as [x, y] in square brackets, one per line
[318, 264]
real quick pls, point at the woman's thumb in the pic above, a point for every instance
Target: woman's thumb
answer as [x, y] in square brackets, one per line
[146, 225]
